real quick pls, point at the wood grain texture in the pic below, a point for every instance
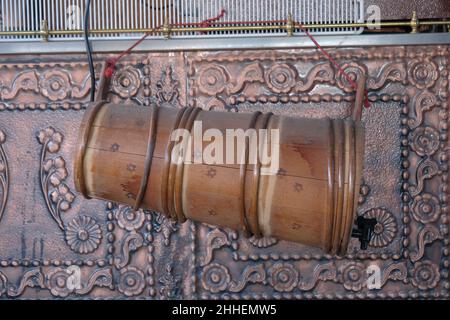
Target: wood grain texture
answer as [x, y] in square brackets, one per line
[289, 208]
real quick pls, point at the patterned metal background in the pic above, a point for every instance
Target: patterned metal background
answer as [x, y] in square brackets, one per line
[45, 227]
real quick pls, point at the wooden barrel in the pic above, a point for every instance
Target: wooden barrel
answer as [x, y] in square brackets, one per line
[126, 155]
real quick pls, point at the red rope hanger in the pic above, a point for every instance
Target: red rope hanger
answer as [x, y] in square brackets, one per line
[111, 62]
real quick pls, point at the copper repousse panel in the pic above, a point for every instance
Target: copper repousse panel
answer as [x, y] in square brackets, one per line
[49, 234]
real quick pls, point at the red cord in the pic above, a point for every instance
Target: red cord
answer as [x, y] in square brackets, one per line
[111, 62]
[341, 71]
[207, 23]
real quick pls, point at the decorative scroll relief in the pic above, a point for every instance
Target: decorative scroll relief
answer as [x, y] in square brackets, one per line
[267, 80]
[54, 84]
[31, 278]
[427, 235]
[128, 280]
[58, 282]
[134, 231]
[423, 102]
[216, 239]
[285, 277]
[25, 81]
[130, 222]
[4, 175]
[251, 274]
[426, 169]
[322, 272]
[283, 78]
[213, 79]
[131, 242]
[392, 72]
[389, 73]
[251, 73]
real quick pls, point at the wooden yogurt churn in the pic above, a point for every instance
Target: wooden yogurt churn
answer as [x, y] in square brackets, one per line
[125, 155]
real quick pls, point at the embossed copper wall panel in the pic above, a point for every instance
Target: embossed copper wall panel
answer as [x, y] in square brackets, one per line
[46, 227]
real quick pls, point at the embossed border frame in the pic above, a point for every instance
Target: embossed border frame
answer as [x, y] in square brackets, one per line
[436, 117]
[424, 68]
[116, 266]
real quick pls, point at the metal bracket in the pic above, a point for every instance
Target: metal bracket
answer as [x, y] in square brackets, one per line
[44, 30]
[414, 22]
[166, 28]
[290, 26]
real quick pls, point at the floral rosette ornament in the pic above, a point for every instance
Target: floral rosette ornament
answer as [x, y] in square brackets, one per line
[55, 84]
[425, 208]
[283, 277]
[129, 219]
[131, 282]
[215, 278]
[425, 275]
[385, 229]
[353, 276]
[58, 281]
[83, 235]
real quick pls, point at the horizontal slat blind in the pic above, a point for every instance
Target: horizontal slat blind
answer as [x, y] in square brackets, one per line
[26, 15]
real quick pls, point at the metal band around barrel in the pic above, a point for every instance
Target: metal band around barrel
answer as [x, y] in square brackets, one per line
[151, 141]
[349, 206]
[85, 131]
[165, 177]
[328, 225]
[339, 135]
[253, 214]
[172, 169]
[242, 175]
[178, 183]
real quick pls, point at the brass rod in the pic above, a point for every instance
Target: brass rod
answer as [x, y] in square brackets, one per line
[431, 23]
[187, 29]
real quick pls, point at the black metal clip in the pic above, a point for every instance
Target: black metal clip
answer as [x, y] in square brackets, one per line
[364, 230]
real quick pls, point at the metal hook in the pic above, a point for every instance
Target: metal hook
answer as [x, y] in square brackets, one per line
[359, 99]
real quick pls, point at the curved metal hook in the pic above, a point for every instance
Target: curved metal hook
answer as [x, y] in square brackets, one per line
[359, 99]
